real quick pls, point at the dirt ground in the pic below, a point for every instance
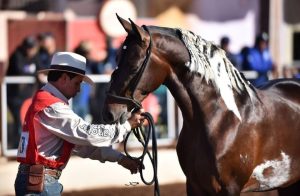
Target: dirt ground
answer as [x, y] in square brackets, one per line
[141, 190]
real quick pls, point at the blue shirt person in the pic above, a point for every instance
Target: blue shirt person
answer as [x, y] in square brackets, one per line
[259, 59]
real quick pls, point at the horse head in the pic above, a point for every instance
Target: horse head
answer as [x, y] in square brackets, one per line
[130, 82]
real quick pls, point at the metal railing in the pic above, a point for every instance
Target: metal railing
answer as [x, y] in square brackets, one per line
[8, 152]
[174, 122]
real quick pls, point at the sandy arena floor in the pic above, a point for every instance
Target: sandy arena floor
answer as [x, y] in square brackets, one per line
[88, 178]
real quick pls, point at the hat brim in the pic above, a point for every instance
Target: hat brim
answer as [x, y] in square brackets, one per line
[85, 78]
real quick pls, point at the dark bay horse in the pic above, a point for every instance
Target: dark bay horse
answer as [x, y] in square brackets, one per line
[235, 138]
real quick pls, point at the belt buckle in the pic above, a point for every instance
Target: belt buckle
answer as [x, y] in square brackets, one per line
[58, 173]
[53, 172]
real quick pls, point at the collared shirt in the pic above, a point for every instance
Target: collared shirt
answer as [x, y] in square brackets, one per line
[58, 122]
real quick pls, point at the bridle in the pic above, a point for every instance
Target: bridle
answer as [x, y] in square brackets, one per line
[142, 138]
[130, 100]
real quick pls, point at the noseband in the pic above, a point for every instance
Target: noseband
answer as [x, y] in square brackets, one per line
[130, 100]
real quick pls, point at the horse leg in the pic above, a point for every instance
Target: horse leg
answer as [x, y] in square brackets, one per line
[292, 190]
[193, 190]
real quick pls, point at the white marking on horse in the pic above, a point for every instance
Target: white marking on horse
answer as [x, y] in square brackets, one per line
[273, 173]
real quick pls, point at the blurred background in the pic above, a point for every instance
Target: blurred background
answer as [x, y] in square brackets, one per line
[32, 30]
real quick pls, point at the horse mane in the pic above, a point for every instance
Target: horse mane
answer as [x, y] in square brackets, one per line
[210, 61]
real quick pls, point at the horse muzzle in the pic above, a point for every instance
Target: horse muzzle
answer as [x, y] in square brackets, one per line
[119, 108]
[114, 113]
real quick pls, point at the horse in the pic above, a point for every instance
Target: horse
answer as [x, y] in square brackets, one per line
[235, 137]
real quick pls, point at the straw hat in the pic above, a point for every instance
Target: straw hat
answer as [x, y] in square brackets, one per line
[69, 62]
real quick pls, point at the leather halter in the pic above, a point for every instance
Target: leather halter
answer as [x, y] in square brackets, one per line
[131, 100]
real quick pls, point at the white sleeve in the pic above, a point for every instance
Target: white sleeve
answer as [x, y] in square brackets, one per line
[101, 154]
[60, 120]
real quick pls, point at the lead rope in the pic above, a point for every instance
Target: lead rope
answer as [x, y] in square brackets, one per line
[144, 140]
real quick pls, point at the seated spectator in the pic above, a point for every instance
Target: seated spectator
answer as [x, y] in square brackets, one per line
[259, 59]
[287, 71]
[81, 100]
[106, 65]
[296, 72]
[22, 62]
[47, 49]
[225, 45]
[151, 105]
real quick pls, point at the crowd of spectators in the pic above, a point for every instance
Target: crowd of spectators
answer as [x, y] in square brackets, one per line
[257, 58]
[253, 58]
[35, 53]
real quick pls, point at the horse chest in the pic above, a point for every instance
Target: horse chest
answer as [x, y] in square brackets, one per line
[195, 154]
[199, 164]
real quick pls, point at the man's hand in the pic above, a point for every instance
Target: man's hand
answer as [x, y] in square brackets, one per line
[136, 119]
[132, 165]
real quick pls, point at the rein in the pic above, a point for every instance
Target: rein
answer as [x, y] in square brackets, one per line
[144, 140]
[138, 132]
[131, 100]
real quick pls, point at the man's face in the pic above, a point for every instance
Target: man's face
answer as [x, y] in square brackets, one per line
[71, 86]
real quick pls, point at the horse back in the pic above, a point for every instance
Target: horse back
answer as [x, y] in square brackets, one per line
[288, 88]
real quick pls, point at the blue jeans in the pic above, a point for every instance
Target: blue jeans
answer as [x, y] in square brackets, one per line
[51, 186]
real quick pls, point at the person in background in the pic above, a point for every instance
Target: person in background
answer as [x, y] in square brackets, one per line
[47, 48]
[259, 59]
[243, 57]
[52, 131]
[225, 45]
[105, 66]
[82, 99]
[22, 62]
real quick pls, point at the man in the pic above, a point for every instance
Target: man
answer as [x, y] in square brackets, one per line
[259, 59]
[22, 62]
[224, 44]
[51, 131]
[47, 48]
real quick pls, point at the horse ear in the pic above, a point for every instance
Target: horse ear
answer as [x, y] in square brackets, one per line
[139, 32]
[126, 25]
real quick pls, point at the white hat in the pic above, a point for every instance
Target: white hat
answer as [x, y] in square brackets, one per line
[69, 62]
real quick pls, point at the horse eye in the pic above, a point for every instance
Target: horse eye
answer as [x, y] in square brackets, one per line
[144, 92]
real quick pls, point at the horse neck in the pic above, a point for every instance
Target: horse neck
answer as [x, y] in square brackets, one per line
[194, 88]
[194, 97]
[192, 94]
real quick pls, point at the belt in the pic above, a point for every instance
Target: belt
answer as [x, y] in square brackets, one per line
[24, 168]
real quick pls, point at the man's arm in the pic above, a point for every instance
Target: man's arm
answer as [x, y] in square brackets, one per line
[107, 154]
[60, 120]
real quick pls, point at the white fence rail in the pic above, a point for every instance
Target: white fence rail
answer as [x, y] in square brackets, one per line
[8, 152]
[172, 119]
